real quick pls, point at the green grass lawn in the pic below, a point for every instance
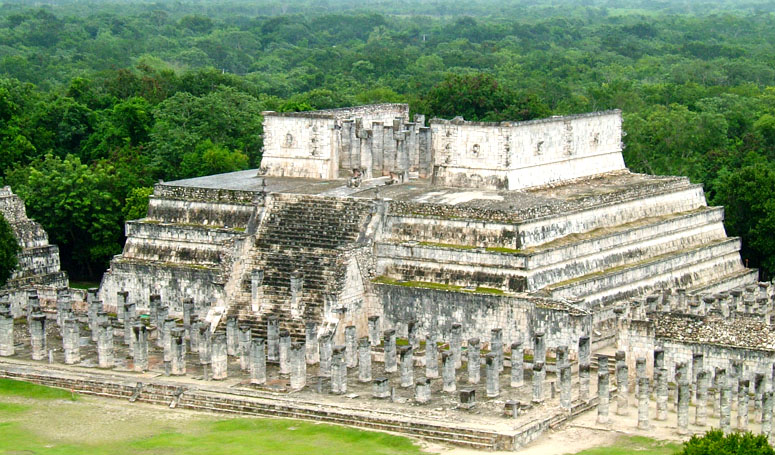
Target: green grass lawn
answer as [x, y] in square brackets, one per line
[40, 420]
[627, 445]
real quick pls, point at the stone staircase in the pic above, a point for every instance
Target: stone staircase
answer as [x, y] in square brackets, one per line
[303, 234]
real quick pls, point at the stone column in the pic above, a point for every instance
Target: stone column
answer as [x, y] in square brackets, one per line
[467, 398]
[220, 356]
[603, 396]
[713, 392]
[584, 368]
[71, 341]
[285, 352]
[381, 388]
[169, 324]
[683, 399]
[539, 348]
[622, 377]
[701, 411]
[64, 305]
[325, 343]
[258, 361]
[188, 309]
[431, 357]
[493, 376]
[139, 347]
[311, 336]
[742, 405]
[390, 351]
[640, 371]
[245, 335]
[411, 334]
[643, 403]
[256, 280]
[734, 374]
[178, 351]
[659, 360]
[698, 364]
[193, 333]
[130, 317]
[406, 354]
[474, 363]
[565, 377]
[351, 347]
[422, 391]
[154, 304]
[94, 308]
[364, 359]
[661, 393]
[232, 336]
[205, 345]
[7, 348]
[122, 297]
[538, 382]
[496, 346]
[273, 338]
[455, 344]
[448, 371]
[338, 371]
[105, 345]
[374, 330]
[759, 385]
[298, 366]
[766, 428]
[725, 401]
[517, 364]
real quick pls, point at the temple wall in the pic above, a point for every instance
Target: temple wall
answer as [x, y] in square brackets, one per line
[514, 155]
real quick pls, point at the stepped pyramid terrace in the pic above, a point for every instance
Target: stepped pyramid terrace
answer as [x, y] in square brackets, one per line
[359, 212]
[467, 283]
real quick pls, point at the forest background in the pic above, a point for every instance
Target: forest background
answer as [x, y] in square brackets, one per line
[99, 100]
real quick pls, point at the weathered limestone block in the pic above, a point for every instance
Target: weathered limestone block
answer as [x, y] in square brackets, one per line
[622, 377]
[351, 353]
[584, 367]
[431, 356]
[258, 361]
[496, 345]
[178, 345]
[105, 356]
[373, 323]
[493, 382]
[381, 388]
[6, 331]
[661, 393]
[643, 403]
[517, 364]
[38, 335]
[140, 347]
[456, 343]
[71, 341]
[311, 337]
[701, 410]
[298, 366]
[603, 396]
[448, 371]
[742, 405]
[220, 356]
[390, 351]
[422, 391]
[474, 362]
[364, 359]
[338, 371]
[538, 382]
[285, 352]
[406, 356]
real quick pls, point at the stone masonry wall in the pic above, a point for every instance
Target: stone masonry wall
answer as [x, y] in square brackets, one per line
[514, 155]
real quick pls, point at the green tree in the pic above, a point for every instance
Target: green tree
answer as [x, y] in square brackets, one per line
[9, 249]
[136, 205]
[748, 194]
[77, 205]
[714, 442]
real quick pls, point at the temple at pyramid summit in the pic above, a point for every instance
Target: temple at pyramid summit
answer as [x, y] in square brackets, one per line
[359, 215]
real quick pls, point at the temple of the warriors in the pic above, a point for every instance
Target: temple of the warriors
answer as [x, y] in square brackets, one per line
[525, 226]
[468, 283]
